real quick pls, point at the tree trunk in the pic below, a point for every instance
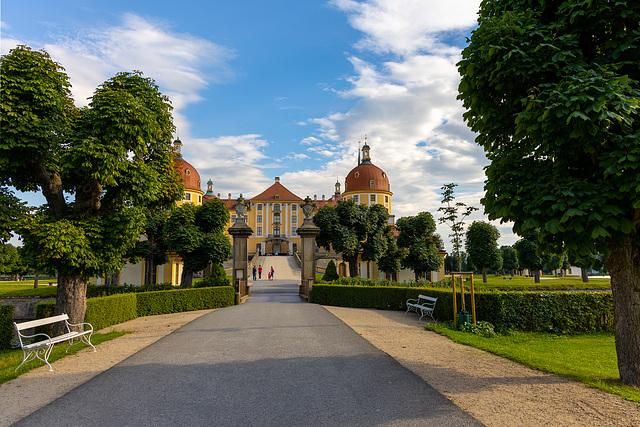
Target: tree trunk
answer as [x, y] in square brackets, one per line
[148, 270]
[484, 274]
[536, 276]
[624, 267]
[353, 265]
[71, 298]
[35, 280]
[118, 278]
[584, 274]
[186, 279]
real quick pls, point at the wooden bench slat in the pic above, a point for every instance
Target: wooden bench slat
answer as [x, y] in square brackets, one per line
[39, 322]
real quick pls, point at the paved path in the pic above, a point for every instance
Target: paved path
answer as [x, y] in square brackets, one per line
[273, 361]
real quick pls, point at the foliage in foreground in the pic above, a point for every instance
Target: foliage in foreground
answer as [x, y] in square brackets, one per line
[589, 358]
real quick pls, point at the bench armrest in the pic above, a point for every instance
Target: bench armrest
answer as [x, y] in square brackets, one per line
[412, 301]
[34, 335]
[80, 324]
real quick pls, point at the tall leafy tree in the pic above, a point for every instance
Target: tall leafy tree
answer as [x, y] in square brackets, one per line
[98, 168]
[390, 261]
[153, 248]
[421, 243]
[509, 259]
[482, 246]
[196, 234]
[553, 90]
[10, 261]
[351, 229]
[527, 249]
[454, 214]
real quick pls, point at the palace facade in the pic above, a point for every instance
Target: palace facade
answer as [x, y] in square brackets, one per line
[275, 214]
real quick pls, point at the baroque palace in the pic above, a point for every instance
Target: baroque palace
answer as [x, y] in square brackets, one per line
[275, 214]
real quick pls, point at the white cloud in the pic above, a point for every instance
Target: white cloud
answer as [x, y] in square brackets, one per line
[405, 27]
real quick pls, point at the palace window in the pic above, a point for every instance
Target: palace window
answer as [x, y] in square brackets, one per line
[294, 207]
[372, 197]
[293, 230]
[357, 175]
[372, 183]
[386, 199]
[356, 199]
[259, 218]
[259, 231]
[276, 231]
[276, 217]
[294, 219]
[259, 206]
[187, 171]
[276, 206]
[187, 196]
[233, 219]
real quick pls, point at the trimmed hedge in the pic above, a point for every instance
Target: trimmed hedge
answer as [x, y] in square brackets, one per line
[164, 302]
[6, 326]
[557, 312]
[103, 312]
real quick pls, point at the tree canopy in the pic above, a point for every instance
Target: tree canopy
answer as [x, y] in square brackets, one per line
[99, 168]
[482, 246]
[196, 233]
[417, 236]
[351, 229]
[553, 91]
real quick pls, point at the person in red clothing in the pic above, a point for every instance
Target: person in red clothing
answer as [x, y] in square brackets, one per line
[271, 272]
[259, 272]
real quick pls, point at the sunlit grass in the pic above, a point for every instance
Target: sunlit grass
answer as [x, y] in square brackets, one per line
[10, 359]
[589, 358]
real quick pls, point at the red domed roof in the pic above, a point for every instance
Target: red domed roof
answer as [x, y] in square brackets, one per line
[366, 177]
[188, 173]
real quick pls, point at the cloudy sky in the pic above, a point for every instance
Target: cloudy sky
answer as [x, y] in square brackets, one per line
[286, 87]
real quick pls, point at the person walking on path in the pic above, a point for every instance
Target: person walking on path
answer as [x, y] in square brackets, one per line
[254, 273]
[260, 272]
[272, 272]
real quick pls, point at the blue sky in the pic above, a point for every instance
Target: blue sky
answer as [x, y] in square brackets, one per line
[286, 87]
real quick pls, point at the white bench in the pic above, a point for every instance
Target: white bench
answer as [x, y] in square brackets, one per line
[423, 305]
[42, 349]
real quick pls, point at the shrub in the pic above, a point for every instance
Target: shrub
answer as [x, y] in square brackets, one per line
[218, 277]
[6, 326]
[556, 312]
[331, 273]
[106, 311]
[482, 328]
[176, 301]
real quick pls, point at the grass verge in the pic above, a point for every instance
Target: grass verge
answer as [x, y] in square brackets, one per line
[589, 358]
[10, 359]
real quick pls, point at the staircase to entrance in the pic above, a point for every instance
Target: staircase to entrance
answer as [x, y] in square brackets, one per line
[285, 284]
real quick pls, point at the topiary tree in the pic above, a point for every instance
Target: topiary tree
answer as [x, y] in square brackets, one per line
[331, 273]
[553, 91]
[527, 249]
[218, 277]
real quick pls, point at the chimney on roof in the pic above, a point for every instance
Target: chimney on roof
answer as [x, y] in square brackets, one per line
[229, 196]
[277, 179]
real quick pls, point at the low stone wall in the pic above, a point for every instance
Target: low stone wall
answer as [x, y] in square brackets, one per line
[24, 307]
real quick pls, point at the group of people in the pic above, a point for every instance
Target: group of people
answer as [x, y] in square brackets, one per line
[257, 273]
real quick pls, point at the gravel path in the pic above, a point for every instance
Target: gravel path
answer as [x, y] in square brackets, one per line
[494, 390]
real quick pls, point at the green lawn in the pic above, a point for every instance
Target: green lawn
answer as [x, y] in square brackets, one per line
[546, 282]
[10, 359]
[25, 289]
[589, 358]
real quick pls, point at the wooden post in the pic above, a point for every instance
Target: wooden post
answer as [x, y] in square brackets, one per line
[455, 308]
[463, 304]
[473, 301]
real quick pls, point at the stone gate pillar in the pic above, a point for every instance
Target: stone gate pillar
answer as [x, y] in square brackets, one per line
[240, 232]
[308, 232]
